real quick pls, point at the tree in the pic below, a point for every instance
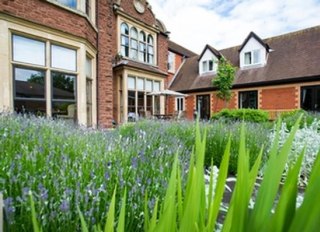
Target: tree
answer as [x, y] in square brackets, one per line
[224, 79]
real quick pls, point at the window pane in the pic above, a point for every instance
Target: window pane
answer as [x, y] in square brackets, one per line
[141, 109]
[65, 110]
[30, 107]
[124, 29]
[134, 33]
[131, 83]
[140, 84]
[131, 106]
[148, 85]
[210, 65]
[150, 40]
[63, 86]
[63, 58]
[149, 105]
[142, 36]
[69, 3]
[247, 58]
[256, 56]
[156, 86]
[29, 83]
[248, 99]
[88, 67]
[204, 66]
[28, 50]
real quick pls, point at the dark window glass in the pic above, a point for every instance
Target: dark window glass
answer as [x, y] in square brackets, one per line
[124, 40]
[29, 83]
[310, 98]
[63, 86]
[131, 105]
[210, 65]
[37, 107]
[29, 95]
[248, 99]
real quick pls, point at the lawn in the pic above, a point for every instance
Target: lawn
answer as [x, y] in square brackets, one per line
[66, 167]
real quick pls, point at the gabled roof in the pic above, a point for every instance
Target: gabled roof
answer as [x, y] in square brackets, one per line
[294, 58]
[212, 49]
[253, 35]
[174, 47]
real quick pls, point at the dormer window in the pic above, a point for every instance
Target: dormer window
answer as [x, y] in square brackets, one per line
[252, 57]
[253, 52]
[207, 66]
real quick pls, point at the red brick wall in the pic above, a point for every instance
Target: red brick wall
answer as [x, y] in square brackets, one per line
[147, 17]
[218, 104]
[178, 61]
[163, 52]
[280, 98]
[106, 22]
[50, 15]
[190, 106]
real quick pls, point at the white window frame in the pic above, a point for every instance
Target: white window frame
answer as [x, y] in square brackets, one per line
[82, 7]
[171, 62]
[253, 60]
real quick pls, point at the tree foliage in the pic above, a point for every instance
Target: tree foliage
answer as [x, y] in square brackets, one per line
[224, 79]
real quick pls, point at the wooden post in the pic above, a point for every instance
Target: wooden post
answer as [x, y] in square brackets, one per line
[1, 212]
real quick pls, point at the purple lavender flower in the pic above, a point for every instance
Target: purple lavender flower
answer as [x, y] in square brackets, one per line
[65, 206]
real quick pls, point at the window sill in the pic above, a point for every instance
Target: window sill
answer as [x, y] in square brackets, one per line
[75, 11]
[249, 66]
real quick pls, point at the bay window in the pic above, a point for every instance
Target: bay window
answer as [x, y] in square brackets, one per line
[136, 44]
[140, 104]
[31, 93]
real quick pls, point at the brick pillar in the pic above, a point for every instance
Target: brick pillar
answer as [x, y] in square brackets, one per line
[106, 27]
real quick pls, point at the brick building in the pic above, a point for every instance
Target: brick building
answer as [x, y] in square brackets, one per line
[277, 74]
[92, 61]
[96, 61]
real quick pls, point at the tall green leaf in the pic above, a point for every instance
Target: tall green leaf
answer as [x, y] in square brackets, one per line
[307, 216]
[36, 227]
[109, 227]
[241, 192]
[286, 207]
[84, 227]
[168, 217]
[121, 222]
[214, 206]
[269, 187]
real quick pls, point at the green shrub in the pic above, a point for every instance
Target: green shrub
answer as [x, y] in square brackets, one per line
[248, 115]
[289, 118]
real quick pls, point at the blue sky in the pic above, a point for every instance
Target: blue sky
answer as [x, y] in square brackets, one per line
[225, 23]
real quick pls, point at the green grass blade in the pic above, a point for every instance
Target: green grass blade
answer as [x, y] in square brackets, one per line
[154, 218]
[36, 227]
[269, 187]
[286, 207]
[84, 227]
[121, 222]
[146, 213]
[179, 195]
[307, 216]
[109, 227]
[214, 206]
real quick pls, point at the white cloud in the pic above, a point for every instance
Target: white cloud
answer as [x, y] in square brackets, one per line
[220, 23]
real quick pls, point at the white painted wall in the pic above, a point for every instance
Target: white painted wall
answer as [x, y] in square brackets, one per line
[208, 55]
[251, 45]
